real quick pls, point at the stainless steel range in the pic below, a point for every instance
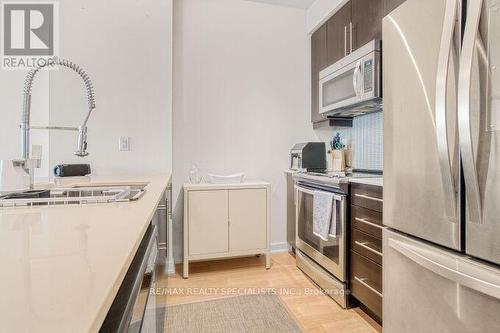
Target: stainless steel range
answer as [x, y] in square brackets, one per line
[324, 261]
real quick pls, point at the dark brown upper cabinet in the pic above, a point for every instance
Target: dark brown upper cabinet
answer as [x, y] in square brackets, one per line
[318, 62]
[338, 34]
[366, 21]
[390, 5]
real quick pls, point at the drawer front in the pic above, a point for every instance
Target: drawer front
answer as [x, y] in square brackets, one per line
[366, 220]
[366, 245]
[366, 282]
[367, 196]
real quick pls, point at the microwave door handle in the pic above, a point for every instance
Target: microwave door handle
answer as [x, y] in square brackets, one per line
[441, 109]
[355, 81]
[464, 119]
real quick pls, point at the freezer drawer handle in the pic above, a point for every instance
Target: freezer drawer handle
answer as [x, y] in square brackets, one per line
[362, 281]
[368, 197]
[421, 257]
[368, 223]
[363, 245]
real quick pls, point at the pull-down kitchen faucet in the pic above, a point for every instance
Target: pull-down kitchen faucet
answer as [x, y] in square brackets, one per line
[28, 163]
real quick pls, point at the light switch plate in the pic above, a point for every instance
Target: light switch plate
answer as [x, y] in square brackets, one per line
[124, 143]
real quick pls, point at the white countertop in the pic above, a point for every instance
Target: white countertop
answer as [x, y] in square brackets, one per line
[61, 267]
[376, 181]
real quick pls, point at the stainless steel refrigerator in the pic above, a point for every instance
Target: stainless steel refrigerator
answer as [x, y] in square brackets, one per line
[441, 86]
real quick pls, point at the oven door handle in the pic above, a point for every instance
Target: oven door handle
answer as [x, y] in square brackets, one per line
[311, 192]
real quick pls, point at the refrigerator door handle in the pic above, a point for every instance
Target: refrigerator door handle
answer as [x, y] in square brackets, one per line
[431, 261]
[464, 117]
[441, 109]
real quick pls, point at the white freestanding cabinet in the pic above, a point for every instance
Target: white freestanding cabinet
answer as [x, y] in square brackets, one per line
[226, 220]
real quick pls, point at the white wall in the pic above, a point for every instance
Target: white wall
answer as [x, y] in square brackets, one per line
[320, 11]
[241, 95]
[11, 98]
[126, 48]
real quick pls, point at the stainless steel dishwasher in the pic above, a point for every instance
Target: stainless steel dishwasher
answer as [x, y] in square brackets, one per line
[135, 308]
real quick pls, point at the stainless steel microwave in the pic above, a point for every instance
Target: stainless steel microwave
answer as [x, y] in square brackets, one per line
[352, 85]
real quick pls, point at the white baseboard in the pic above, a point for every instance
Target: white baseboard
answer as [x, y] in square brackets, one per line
[275, 248]
[170, 268]
[279, 247]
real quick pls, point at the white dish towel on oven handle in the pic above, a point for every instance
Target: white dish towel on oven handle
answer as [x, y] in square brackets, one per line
[333, 224]
[322, 214]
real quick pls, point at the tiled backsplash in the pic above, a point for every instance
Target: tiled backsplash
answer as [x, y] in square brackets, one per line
[366, 139]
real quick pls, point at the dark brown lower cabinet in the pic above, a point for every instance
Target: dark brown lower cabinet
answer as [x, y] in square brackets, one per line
[365, 267]
[368, 246]
[366, 283]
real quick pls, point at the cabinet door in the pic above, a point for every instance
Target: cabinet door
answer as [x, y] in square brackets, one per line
[366, 21]
[247, 219]
[338, 42]
[208, 222]
[318, 62]
[390, 5]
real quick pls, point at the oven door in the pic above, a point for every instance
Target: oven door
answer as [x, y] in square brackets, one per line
[331, 254]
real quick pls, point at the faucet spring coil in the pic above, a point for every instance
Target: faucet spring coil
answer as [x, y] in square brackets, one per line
[28, 82]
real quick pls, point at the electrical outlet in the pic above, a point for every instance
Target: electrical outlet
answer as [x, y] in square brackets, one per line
[124, 143]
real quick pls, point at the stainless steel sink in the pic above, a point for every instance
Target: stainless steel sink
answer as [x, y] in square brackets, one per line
[75, 195]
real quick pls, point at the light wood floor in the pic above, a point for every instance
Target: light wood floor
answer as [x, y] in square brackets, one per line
[225, 278]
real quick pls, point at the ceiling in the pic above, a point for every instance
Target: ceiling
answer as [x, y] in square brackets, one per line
[304, 4]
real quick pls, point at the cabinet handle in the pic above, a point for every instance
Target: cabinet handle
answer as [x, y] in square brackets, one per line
[368, 197]
[363, 245]
[362, 281]
[368, 223]
[350, 35]
[345, 40]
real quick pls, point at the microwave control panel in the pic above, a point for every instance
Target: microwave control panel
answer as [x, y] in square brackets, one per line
[368, 75]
